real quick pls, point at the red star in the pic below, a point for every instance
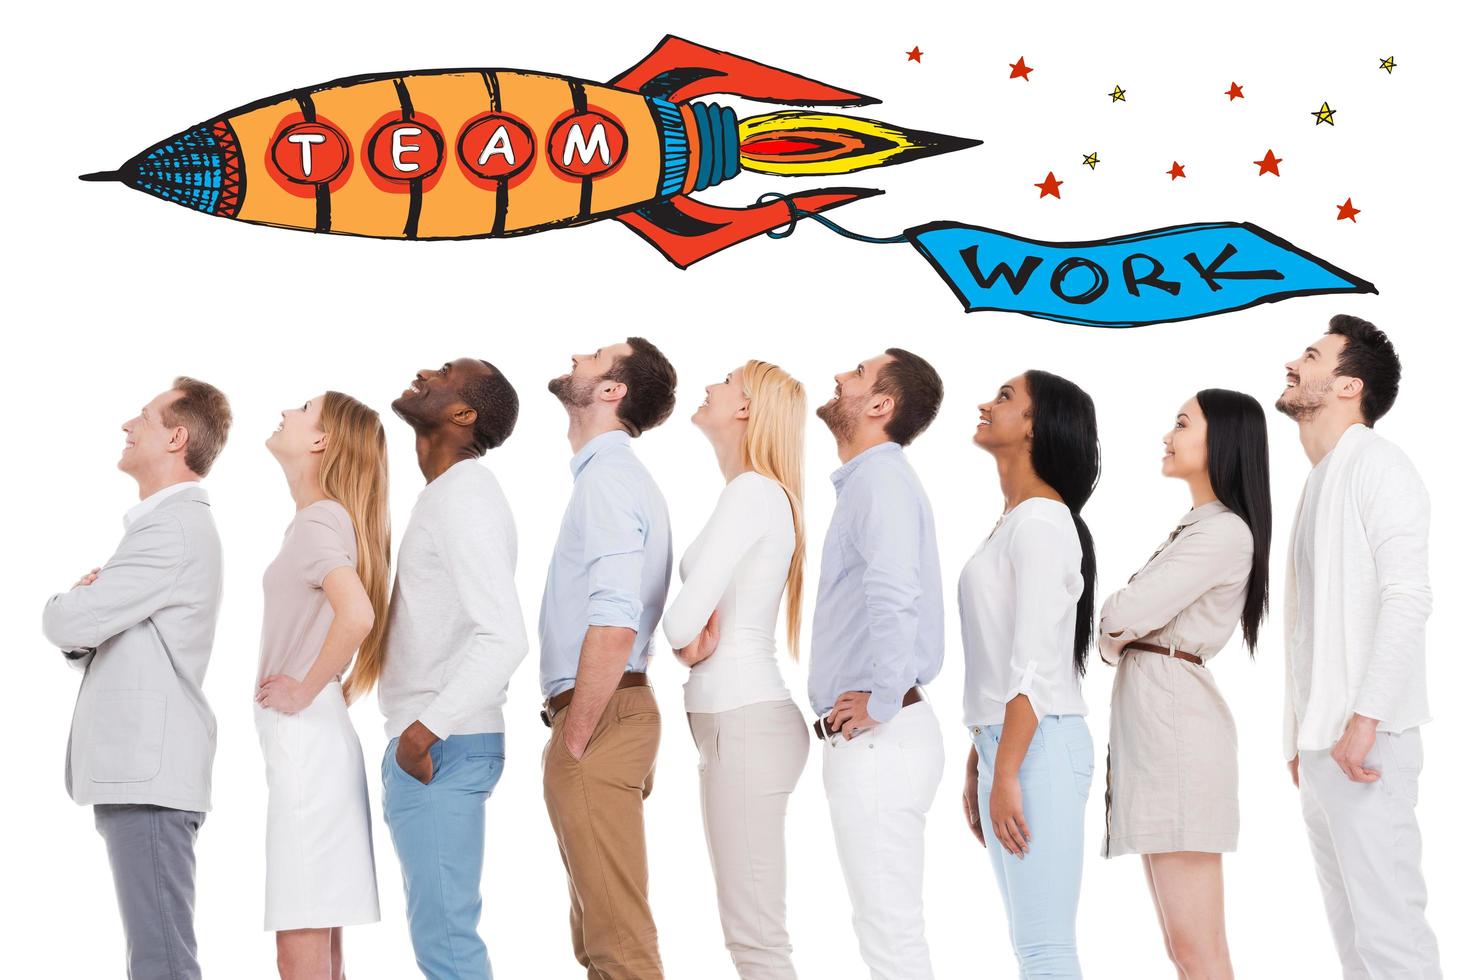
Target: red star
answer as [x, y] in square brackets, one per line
[1018, 70]
[1051, 186]
[1345, 212]
[1235, 92]
[1269, 165]
[1176, 171]
[915, 55]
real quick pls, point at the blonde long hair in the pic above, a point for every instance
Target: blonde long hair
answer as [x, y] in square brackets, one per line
[354, 473]
[774, 447]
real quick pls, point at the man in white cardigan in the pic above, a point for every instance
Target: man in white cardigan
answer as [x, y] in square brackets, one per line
[1357, 600]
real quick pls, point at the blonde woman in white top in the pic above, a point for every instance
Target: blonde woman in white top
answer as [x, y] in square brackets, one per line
[752, 739]
[1172, 775]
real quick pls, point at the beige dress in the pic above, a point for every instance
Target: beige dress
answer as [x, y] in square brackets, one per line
[1172, 771]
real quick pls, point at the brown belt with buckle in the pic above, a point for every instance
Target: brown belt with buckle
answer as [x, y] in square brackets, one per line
[1154, 648]
[823, 730]
[557, 703]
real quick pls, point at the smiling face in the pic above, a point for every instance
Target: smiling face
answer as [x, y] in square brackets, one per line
[148, 441]
[432, 397]
[726, 405]
[300, 433]
[1186, 446]
[578, 387]
[1311, 379]
[1004, 421]
[853, 397]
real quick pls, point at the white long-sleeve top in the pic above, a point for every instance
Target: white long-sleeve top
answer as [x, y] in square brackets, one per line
[1017, 615]
[455, 633]
[738, 565]
[1357, 604]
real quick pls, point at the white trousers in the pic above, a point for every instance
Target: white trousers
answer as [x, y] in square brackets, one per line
[749, 761]
[879, 786]
[1369, 859]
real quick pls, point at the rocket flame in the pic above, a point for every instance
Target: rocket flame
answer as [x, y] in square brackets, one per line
[798, 144]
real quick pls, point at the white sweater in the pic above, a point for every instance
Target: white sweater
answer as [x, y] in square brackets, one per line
[737, 564]
[455, 633]
[1369, 598]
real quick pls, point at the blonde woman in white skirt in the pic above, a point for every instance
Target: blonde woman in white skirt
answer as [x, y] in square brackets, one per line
[326, 599]
[1173, 777]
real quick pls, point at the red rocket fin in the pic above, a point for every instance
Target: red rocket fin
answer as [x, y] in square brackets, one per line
[679, 70]
[686, 230]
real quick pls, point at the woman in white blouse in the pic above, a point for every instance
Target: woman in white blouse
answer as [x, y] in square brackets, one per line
[1173, 777]
[1025, 612]
[751, 737]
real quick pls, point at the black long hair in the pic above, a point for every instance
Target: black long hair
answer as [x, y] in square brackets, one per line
[1067, 455]
[1239, 471]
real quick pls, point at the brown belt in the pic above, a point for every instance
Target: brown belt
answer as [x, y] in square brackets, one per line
[823, 730]
[557, 703]
[1154, 648]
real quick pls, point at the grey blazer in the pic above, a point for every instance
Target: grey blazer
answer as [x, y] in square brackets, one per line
[142, 633]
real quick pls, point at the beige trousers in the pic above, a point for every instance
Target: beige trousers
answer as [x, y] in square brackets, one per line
[749, 761]
[596, 809]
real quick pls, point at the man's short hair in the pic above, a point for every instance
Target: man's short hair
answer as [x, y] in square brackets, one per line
[203, 410]
[917, 390]
[650, 381]
[1368, 355]
[496, 407]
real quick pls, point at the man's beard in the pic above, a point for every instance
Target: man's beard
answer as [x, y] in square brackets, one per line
[574, 392]
[1306, 405]
[840, 416]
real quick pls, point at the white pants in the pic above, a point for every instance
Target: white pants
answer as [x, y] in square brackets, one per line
[1369, 859]
[879, 786]
[749, 761]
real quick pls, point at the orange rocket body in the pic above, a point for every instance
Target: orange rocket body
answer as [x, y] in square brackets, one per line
[476, 153]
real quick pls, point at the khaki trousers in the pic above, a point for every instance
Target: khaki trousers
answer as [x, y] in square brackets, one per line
[596, 810]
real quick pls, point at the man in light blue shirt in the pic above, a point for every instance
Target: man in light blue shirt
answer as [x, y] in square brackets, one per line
[604, 596]
[878, 635]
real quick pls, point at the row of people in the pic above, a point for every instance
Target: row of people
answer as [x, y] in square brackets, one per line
[440, 649]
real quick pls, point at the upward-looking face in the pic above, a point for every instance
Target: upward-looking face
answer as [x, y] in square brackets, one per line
[148, 440]
[578, 387]
[300, 433]
[726, 405]
[853, 396]
[432, 397]
[1004, 421]
[1311, 378]
[1186, 446]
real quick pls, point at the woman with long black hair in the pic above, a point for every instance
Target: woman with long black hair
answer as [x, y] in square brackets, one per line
[1025, 609]
[1173, 777]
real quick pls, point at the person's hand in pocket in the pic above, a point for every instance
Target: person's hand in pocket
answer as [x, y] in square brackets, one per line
[412, 755]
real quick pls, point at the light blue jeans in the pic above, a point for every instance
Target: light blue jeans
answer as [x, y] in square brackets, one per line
[1042, 889]
[438, 830]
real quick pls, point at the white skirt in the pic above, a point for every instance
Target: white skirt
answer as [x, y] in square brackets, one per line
[319, 870]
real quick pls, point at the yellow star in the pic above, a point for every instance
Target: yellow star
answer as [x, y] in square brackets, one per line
[1324, 115]
[1386, 64]
[1090, 160]
[1118, 95]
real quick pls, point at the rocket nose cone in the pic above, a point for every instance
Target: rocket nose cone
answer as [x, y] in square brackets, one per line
[198, 168]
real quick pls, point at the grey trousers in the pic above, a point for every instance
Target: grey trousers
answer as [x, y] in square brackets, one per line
[151, 849]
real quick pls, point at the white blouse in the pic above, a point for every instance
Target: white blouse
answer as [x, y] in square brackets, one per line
[1017, 615]
[738, 564]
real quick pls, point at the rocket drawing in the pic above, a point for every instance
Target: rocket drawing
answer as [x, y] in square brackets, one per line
[489, 153]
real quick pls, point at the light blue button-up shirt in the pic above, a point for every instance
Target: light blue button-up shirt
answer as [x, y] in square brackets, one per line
[611, 563]
[879, 622]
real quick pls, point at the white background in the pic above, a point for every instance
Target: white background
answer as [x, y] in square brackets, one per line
[110, 293]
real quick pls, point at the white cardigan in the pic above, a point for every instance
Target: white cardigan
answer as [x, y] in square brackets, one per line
[1371, 598]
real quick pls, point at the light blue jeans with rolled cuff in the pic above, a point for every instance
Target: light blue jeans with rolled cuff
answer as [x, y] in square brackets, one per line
[1042, 889]
[438, 830]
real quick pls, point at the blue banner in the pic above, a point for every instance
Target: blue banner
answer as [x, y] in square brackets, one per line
[1158, 276]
